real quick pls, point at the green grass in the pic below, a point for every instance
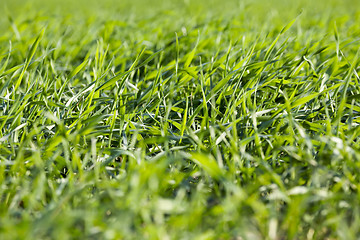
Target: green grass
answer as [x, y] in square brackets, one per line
[179, 120]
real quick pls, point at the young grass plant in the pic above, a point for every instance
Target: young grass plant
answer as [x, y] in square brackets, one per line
[179, 120]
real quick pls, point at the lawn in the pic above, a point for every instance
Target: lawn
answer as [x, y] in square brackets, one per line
[179, 119]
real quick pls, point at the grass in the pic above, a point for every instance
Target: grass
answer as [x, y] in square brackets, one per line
[179, 120]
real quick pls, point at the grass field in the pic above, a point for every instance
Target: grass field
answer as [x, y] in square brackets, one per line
[179, 119]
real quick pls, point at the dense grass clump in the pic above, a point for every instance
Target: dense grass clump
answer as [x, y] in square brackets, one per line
[179, 120]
